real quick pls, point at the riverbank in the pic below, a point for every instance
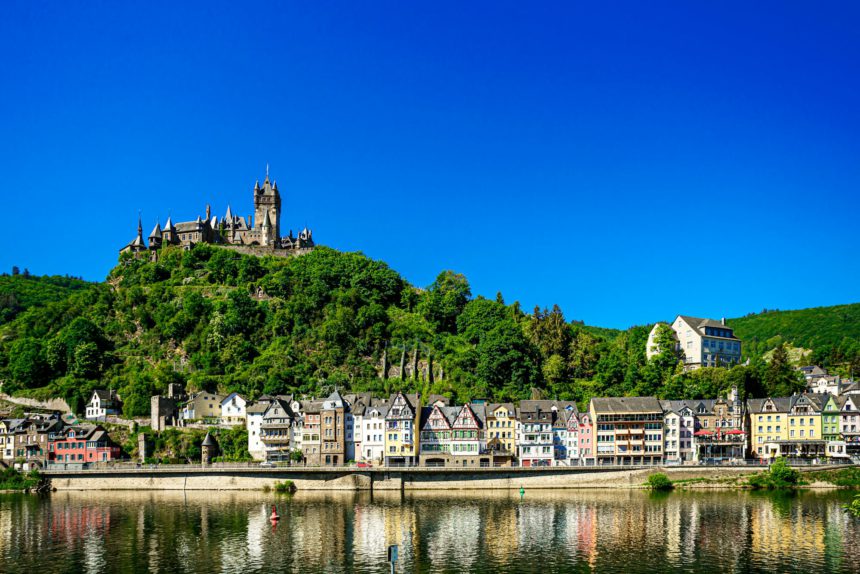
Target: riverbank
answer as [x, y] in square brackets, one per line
[409, 479]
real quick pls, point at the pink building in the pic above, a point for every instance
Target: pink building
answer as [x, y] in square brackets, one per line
[586, 439]
[82, 444]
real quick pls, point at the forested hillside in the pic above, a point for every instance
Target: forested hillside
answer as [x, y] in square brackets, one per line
[221, 321]
[833, 333]
[20, 291]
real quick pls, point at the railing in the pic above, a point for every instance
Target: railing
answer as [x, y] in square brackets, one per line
[545, 465]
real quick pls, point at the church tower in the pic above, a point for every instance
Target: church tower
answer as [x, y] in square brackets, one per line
[267, 211]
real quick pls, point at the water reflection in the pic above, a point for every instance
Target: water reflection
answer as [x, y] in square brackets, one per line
[453, 531]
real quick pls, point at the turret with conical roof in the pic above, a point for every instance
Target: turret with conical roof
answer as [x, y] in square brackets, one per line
[137, 244]
[267, 203]
[155, 237]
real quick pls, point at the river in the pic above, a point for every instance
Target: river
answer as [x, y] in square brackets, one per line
[545, 532]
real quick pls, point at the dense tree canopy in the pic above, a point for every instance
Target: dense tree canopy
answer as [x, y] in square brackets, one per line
[217, 320]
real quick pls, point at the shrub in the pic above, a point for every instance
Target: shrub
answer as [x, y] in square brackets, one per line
[854, 506]
[287, 487]
[11, 479]
[782, 474]
[779, 476]
[660, 481]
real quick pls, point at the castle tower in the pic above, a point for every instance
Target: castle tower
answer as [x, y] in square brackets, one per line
[209, 449]
[267, 200]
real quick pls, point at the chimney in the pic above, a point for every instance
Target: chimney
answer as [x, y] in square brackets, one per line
[723, 321]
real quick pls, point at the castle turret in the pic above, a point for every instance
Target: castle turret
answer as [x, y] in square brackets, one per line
[137, 244]
[168, 236]
[155, 237]
[209, 449]
[267, 201]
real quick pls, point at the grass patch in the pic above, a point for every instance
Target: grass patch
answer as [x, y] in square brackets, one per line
[659, 481]
[845, 477]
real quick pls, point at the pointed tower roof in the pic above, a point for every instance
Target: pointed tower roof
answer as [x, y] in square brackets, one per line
[266, 221]
[229, 217]
[156, 232]
[169, 225]
[209, 441]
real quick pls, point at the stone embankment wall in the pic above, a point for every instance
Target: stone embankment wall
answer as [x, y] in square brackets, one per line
[377, 480]
[51, 405]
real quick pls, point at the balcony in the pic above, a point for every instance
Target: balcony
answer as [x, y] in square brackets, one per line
[275, 439]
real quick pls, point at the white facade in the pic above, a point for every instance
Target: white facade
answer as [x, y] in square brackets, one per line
[253, 421]
[705, 342]
[233, 409]
[102, 404]
[372, 435]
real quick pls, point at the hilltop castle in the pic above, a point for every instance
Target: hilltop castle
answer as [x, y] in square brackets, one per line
[264, 230]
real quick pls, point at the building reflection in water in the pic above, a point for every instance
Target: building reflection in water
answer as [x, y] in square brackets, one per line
[436, 532]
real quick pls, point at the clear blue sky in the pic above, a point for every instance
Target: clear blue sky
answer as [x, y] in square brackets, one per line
[628, 160]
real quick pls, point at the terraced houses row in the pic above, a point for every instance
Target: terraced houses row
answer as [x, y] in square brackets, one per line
[408, 429]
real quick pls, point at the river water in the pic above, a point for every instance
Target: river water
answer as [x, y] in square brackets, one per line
[559, 531]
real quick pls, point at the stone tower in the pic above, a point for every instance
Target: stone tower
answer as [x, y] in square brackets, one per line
[267, 201]
[209, 449]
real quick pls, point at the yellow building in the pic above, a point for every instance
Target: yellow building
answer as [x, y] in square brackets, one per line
[768, 425]
[786, 426]
[402, 427]
[502, 425]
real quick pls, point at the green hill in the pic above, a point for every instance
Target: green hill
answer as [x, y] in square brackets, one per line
[217, 320]
[20, 292]
[833, 333]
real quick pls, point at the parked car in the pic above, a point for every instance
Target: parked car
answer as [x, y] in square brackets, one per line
[363, 465]
[267, 464]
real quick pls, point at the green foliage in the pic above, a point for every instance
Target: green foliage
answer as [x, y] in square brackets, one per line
[286, 487]
[12, 479]
[233, 445]
[214, 319]
[833, 333]
[780, 377]
[779, 476]
[854, 506]
[659, 481]
[845, 477]
[19, 292]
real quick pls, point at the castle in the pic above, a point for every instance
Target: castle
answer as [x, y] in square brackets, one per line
[264, 230]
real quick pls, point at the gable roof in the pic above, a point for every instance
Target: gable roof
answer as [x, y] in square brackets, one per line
[626, 405]
[699, 325]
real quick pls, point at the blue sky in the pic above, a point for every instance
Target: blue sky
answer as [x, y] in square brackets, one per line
[628, 161]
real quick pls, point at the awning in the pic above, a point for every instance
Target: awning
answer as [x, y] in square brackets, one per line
[733, 431]
[703, 433]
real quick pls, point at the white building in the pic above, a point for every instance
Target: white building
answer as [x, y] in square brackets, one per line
[253, 422]
[534, 433]
[704, 342]
[102, 404]
[372, 425]
[233, 409]
[679, 426]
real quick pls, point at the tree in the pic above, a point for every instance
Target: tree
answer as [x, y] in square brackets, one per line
[781, 379]
[27, 363]
[445, 299]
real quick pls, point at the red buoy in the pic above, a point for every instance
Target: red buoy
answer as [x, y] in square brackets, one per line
[275, 515]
